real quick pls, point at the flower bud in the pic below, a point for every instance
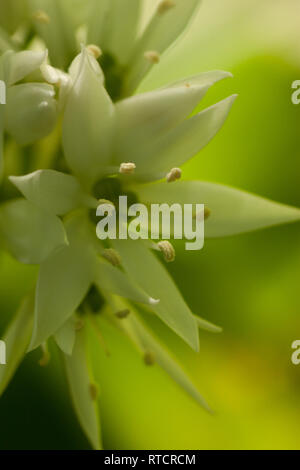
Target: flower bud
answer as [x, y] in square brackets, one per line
[30, 113]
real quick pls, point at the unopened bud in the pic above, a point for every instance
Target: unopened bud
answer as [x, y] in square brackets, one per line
[152, 56]
[112, 256]
[174, 175]
[127, 168]
[168, 250]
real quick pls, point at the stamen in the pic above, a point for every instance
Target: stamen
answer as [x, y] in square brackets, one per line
[152, 56]
[45, 359]
[168, 250]
[174, 175]
[41, 17]
[112, 256]
[94, 50]
[207, 213]
[149, 358]
[164, 6]
[123, 314]
[127, 168]
[94, 391]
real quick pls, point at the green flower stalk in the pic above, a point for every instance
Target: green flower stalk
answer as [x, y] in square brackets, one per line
[105, 142]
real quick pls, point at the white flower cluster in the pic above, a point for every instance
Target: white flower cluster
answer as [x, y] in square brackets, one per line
[73, 135]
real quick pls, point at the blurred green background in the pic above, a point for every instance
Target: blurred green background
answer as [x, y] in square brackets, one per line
[248, 284]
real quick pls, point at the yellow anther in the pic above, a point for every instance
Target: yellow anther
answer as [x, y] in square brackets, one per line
[127, 168]
[207, 213]
[167, 250]
[94, 391]
[174, 175]
[123, 314]
[165, 5]
[112, 256]
[94, 50]
[149, 358]
[152, 56]
[41, 17]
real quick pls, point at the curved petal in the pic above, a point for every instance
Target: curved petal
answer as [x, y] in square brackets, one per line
[55, 192]
[64, 280]
[183, 142]
[65, 336]
[115, 281]
[29, 233]
[58, 32]
[80, 380]
[17, 65]
[30, 112]
[231, 211]
[165, 26]
[142, 265]
[113, 26]
[88, 120]
[142, 120]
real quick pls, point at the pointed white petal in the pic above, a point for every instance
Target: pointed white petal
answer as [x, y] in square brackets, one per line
[80, 380]
[115, 281]
[29, 233]
[65, 336]
[143, 266]
[53, 191]
[142, 120]
[113, 26]
[64, 280]
[183, 142]
[58, 32]
[20, 64]
[88, 121]
[231, 211]
[162, 30]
